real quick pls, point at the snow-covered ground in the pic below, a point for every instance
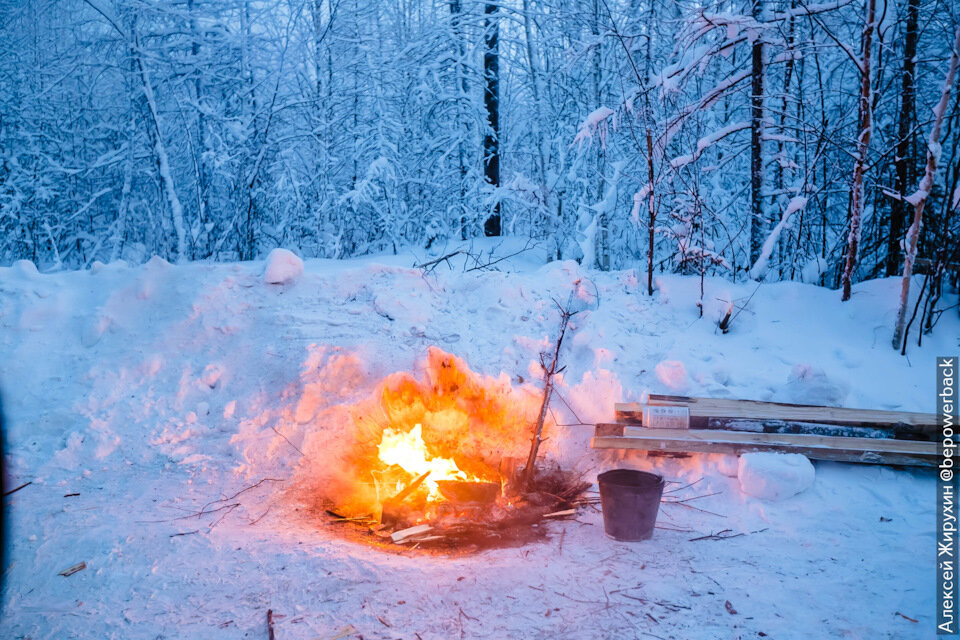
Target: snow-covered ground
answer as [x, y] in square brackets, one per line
[152, 391]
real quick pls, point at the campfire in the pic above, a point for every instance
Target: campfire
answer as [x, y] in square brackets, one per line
[437, 461]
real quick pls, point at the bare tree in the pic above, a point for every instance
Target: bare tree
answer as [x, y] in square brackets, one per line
[491, 100]
[919, 199]
[903, 159]
[758, 218]
[865, 130]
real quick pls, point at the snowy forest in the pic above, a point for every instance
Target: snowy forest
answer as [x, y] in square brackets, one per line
[777, 140]
[435, 319]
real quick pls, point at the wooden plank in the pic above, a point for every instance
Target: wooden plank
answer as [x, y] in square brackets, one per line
[405, 534]
[632, 413]
[794, 426]
[603, 430]
[787, 439]
[844, 449]
[836, 455]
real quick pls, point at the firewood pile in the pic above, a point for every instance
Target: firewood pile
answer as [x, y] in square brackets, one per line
[472, 516]
[679, 425]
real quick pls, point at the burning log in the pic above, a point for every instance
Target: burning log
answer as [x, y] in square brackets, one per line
[393, 508]
[444, 471]
[476, 492]
[471, 520]
[510, 474]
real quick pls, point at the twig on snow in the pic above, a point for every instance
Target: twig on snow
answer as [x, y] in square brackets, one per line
[80, 566]
[478, 267]
[720, 535]
[204, 511]
[433, 264]
[260, 517]
[686, 486]
[673, 500]
[690, 506]
[13, 491]
[230, 509]
[288, 441]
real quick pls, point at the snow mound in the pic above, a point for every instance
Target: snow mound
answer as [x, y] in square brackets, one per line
[283, 267]
[26, 269]
[729, 466]
[810, 385]
[672, 374]
[774, 476]
[156, 263]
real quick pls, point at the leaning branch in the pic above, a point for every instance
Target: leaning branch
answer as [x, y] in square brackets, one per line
[549, 371]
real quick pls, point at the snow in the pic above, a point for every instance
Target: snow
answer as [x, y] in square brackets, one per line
[283, 267]
[797, 203]
[595, 123]
[774, 476]
[705, 102]
[809, 385]
[918, 196]
[25, 268]
[206, 382]
[708, 141]
[672, 374]
[814, 268]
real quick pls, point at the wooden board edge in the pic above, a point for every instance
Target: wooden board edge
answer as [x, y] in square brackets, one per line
[632, 413]
[737, 448]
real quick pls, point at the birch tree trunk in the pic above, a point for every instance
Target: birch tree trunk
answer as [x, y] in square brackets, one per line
[460, 89]
[163, 160]
[919, 199]
[539, 140]
[602, 246]
[863, 145]
[201, 152]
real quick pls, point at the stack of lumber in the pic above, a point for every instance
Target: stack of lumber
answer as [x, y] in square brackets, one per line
[680, 424]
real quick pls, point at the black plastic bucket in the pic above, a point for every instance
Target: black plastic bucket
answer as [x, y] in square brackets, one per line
[630, 501]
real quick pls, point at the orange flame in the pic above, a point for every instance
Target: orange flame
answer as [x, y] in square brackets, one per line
[409, 451]
[450, 421]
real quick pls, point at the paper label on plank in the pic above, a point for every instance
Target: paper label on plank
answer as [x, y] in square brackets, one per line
[664, 417]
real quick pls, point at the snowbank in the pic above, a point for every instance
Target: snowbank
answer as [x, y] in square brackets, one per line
[162, 411]
[283, 267]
